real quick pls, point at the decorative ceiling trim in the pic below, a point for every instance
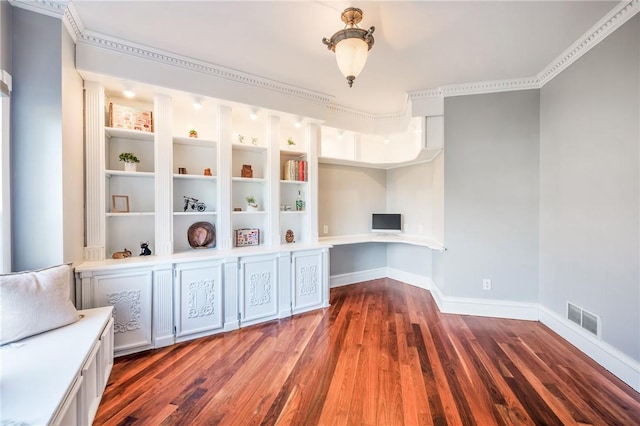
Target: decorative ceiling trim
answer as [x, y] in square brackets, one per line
[157, 55]
[72, 21]
[364, 115]
[620, 14]
[615, 18]
[53, 8]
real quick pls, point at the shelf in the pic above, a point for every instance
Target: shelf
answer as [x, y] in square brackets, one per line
[109, 173]
[292, 153]
[248, 180]
[292, 211]
[204, 213]
[251, 148]
[258, 212]
[194, 177]
[180, 140]
[293, 181]
[130, 214]
[112, 132]
[416, 240]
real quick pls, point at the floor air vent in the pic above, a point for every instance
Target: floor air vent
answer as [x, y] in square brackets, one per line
[584, 319]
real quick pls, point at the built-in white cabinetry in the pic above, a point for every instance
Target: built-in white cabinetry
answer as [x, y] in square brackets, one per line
[129, 291]
[180, 292]
[195, 194]
[198, 299]
[258, 289]
[308, 276]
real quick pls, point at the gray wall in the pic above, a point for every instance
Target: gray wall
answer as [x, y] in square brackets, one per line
[408, 258]
[491, 196]
[5, 36]
[589, 188]
[45, 98]
[357, 257]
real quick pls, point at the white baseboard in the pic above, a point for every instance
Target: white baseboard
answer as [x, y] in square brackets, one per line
[622, 366]
[356, 277]
[486, 307]
[409, 278]
[160, 342]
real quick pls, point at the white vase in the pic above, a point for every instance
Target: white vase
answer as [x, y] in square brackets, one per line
[252, 207]
[130, 167]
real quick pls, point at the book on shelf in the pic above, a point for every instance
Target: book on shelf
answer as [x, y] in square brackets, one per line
[295, 170]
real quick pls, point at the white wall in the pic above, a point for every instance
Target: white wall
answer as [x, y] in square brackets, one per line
[410, 192]
[589, 188]
[347, 196]
[357, 257]
[72, 154]
[491, 196]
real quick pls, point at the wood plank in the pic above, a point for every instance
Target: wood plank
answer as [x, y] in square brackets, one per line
[381, 354]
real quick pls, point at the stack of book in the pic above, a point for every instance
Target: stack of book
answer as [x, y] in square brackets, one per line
[295, 170]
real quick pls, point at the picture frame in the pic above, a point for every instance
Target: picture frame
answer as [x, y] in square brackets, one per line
[120, 204]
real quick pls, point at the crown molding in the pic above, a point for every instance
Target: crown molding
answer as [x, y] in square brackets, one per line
[157, 55]
[72, 22]
[482, 87]
[53, 8]
[613, 20]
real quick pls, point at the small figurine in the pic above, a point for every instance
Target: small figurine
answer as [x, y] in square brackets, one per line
[254, 141]
[194, 204]
[289, 237]
[246, 171]
[144, 249]
[193, 133]
[207, 172]
[240, 138]
[121, 254]
[290, 142]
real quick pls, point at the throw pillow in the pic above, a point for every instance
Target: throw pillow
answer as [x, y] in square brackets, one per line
[35, 302]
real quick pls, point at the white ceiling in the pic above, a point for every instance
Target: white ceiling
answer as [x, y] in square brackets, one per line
[418, 44]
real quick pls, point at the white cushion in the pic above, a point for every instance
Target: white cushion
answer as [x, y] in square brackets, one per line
[35, 302]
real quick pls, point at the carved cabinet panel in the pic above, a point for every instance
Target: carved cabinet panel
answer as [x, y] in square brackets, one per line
[308, 281]
[198, 298]
[130, 295]
[258, 289]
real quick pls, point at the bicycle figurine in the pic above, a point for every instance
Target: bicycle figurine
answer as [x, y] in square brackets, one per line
[193, 204]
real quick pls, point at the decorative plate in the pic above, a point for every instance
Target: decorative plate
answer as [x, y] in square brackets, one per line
[202, 235]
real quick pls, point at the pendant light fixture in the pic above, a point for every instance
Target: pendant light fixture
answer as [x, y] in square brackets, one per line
[351, 44]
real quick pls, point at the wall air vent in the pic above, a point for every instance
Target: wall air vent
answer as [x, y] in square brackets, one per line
[584, 319]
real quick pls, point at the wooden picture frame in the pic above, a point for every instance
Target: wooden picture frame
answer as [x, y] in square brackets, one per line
[120, 204]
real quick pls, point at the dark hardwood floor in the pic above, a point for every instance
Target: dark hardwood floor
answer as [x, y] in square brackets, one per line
[382, 354]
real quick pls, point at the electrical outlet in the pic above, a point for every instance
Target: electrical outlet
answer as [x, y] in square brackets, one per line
[486, 284]
[325, 229]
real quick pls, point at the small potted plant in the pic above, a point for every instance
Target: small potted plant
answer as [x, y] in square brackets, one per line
[290, 142]
[130, 161]
[193, 133]
[252, 205]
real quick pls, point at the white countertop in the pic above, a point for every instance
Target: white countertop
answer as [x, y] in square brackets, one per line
[416, 240]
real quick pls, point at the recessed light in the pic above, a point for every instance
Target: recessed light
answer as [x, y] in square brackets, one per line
[254, 114]
[129, 93]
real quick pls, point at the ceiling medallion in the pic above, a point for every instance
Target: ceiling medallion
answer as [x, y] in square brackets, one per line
[351, 44]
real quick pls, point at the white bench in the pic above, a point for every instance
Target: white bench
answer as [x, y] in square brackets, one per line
[57, 377]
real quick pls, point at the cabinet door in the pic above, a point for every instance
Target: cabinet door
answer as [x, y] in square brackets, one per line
[308, 281]
[259, 289]
[130, 295]
[198, 298]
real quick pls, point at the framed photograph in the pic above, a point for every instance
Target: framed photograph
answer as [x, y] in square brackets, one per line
[120, 204]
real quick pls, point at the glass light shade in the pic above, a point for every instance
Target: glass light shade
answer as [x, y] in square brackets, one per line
[351, 54]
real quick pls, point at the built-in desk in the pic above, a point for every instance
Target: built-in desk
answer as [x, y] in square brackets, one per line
[415, 240]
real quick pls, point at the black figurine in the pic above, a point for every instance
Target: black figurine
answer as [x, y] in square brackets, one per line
[144, 249]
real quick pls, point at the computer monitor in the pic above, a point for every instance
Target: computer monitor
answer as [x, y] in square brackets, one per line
[386, 222]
